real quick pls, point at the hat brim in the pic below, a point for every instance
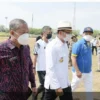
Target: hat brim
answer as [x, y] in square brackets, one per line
[65, 28]
[88, 31]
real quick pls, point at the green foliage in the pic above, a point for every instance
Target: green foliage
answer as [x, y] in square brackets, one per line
[3, 29]
[96, 32]
[35, 31]
[76, 32]
[4, 34]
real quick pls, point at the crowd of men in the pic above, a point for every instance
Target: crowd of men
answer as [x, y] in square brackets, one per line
[51, 60]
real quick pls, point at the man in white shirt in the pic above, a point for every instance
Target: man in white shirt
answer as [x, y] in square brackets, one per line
[94, 43]
[56, 79]
[39, 57]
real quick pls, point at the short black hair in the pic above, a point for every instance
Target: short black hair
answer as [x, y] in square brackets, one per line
[38, 38]
[45, 28]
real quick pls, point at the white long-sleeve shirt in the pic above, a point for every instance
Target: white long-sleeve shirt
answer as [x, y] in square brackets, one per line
[56, 65]
[94, 42]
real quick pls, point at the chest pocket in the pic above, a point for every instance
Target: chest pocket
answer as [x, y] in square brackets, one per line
[13, 62]
[8, 64]
[62, 52]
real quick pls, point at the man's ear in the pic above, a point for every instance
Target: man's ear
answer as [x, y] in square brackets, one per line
[60, 32]
[83, 34]
[11, 32]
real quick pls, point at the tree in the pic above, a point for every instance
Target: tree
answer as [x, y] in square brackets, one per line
[96, 32]
[35, 31]
[2, 28]
[76, 32]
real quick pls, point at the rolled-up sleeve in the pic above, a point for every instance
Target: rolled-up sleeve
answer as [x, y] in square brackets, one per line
[36, 49]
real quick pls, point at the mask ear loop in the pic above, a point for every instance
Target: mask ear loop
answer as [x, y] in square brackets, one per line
[16, 33]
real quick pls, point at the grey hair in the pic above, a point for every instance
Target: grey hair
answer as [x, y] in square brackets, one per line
[16, 23]
[45, 28]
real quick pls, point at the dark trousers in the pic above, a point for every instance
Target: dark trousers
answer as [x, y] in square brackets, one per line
[94, 47]
[41, 89]
[51, 94]
[12, 96]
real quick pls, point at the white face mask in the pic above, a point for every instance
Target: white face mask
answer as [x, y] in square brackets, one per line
[88, 37]
[23, 39]
[68, 37]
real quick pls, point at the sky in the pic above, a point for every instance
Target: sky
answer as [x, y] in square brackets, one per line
[50, 13]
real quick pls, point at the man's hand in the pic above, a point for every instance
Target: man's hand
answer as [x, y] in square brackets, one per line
[34, 71]
[59, 92]
[79, 74]
[74, 62]
[34, 90]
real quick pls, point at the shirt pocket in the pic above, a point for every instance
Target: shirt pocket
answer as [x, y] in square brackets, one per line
[13, 61]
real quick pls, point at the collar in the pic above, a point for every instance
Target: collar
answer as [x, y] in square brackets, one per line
[84, 41]
[59, 41]
[10, 44]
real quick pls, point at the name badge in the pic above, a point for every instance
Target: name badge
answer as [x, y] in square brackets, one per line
[61, 60]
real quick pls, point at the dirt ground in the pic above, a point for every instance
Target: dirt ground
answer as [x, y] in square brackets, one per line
[96, 75]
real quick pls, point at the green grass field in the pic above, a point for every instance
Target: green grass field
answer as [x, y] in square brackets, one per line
[96, 75]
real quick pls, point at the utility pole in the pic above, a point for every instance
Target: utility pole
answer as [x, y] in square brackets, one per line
[74, 17]
[6, 18]
[32, 20]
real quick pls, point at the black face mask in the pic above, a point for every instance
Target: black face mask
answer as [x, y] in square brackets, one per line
[49, 36]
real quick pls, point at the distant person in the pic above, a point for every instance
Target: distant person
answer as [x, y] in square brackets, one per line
[94, 47]
[56, 81]
[16, 67]
[39, 58]
[72, 41]
[98, 54]
[82, 63]
[38, 38]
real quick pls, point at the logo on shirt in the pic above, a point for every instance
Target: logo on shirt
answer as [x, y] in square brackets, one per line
[61, 60]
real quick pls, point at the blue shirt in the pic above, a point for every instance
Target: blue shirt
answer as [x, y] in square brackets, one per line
[83, 54]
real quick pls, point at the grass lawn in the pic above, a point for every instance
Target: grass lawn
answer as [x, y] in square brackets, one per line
[96, 75]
